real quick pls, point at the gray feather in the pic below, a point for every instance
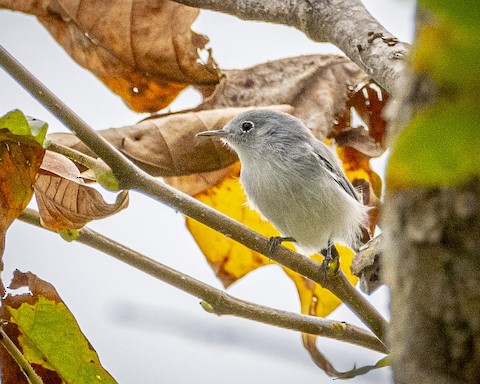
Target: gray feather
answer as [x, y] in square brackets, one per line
[333, 168]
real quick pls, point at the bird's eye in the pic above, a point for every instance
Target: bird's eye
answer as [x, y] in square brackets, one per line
[247, 126]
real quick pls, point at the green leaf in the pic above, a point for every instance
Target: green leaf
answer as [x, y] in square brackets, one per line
[440, 146]
[51, 337]
[19, 124]
[69, 234]
[38, 129]
[450, 54]
[16, 122]
[466, 12]
[384, 362]
[105, 177]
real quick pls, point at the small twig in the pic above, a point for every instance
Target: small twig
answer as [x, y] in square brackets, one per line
[19, 358]
[73, 154]
[218, 301]
[130, 176]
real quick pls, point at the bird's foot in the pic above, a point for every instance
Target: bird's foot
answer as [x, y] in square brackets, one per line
[331, 259]
[275, 241]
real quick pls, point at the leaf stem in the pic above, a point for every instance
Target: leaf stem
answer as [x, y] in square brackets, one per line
[219, 302]
[19, 358]
[130, 176]
[74, 155]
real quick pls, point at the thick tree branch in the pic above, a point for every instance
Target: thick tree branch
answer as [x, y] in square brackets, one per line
[130, 176]
[345, 23]
[218, 301]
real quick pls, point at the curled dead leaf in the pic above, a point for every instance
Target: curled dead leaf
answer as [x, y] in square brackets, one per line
[63, 199]
[143, 51]
[360, 139]
[309, 342]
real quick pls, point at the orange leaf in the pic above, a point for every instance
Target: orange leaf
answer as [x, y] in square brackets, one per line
[64, 201]
[143, 51]
[369, 101]
[358, 171]
[20, 159]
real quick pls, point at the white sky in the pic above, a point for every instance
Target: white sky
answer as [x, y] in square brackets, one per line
[144, 330]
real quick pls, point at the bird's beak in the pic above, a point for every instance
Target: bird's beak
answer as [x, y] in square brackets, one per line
[219, 133]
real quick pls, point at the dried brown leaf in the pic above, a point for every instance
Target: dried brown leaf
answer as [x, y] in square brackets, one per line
[144, 51]
[63, 199]
[369, 101]
[360, 139]
[317, 86]
[309, 342]
[166, 145]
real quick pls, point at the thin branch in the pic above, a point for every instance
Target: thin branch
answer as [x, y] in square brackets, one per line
[102, 172]
[77, 156]
[218, 301]
[345, 23]
[130, 176]
[19, 358]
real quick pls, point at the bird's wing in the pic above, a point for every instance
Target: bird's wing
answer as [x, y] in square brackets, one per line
[333, 168]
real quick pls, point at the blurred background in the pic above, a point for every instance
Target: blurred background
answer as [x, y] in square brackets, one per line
[144, 330]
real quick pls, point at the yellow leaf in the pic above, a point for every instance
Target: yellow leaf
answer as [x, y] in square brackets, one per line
[231, 260]
[314, 299]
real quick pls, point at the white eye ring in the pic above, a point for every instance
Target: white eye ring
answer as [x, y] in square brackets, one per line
[247, 126]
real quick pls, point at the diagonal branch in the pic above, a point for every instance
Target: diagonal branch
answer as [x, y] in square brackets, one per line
[218, 301]
[30, 374]
[345, 23]
[130, 176]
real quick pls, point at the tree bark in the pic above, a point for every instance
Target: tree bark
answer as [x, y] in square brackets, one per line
[433, 269]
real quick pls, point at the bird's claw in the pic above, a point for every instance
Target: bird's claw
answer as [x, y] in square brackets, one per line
[330, 255]
[275, 241]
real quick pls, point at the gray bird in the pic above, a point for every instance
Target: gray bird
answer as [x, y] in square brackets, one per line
[294, 180]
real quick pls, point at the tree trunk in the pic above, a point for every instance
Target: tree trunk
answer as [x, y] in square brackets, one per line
[433, 269]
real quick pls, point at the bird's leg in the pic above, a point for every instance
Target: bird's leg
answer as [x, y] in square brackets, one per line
[330, 255]
[275, 241]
